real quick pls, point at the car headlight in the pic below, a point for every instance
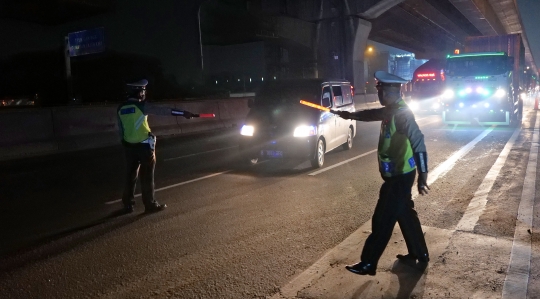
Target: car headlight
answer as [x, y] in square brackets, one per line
[436, 106]
[448, 94]
[247, 130]
[523, 96]
[500, 93]
[304, 131]
[414, 106]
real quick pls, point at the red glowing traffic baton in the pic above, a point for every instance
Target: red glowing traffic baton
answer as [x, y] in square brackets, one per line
[206, 115]
[314, 106]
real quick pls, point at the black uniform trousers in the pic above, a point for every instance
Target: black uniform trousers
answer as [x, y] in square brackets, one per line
[140, 159]
[395, 205]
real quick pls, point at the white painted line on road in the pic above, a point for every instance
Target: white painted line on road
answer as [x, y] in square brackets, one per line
[322, 266]
[478, 202]
[175, 185]
[517, 276]
[191, 155]
[343, 162]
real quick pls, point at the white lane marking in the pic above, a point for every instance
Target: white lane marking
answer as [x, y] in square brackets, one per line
[191, 155]
[343, 162]
[321, 267]
[517, 276]
[175, 185]
[354, 158]
[478, 202]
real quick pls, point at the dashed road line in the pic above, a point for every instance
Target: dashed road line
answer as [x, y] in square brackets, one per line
[478, 202]
[191, 155]
[175, 185]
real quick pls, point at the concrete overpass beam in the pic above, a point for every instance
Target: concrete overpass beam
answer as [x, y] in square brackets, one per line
[379, 8]
[481, 14]
[359, 69]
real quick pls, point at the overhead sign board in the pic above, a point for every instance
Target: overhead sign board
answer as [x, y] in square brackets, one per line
[86, 42]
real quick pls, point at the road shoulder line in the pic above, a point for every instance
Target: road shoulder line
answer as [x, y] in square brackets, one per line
[517, 277]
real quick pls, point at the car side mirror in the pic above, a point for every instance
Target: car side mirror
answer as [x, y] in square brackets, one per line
[326, 102]
[250, 103]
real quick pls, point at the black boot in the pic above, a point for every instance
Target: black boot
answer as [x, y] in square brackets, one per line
[154, 208]
[362, 268]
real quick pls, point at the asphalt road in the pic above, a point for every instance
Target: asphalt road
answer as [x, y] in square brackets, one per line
[231, 231]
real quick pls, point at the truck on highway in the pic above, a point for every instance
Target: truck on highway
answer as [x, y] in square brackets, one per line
[484, 84]
[428, 86]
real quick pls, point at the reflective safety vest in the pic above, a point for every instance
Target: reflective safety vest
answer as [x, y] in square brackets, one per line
[395, 152]
[133, 121]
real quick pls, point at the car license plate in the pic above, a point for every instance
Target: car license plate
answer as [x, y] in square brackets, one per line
[274, 154]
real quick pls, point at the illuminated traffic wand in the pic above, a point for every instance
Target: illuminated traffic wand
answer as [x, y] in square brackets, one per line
[204, 115]
[314, 106]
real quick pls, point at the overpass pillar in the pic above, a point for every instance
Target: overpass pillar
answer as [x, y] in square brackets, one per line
[358, 69]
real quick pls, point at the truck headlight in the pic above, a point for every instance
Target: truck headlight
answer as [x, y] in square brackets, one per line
[414, 105]
[500, 93]
[304, 131]
[247, 130]
[448, 94]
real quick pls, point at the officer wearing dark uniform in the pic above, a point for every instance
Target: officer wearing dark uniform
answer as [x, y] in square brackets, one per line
[139, 144]
[401, 152]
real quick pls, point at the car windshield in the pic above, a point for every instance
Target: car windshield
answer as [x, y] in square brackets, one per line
[476, 65]
[280, 93]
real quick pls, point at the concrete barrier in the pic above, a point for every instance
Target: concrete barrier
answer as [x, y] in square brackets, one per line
[31, 132]
[233, 112]
[26, 132]
[85, 127]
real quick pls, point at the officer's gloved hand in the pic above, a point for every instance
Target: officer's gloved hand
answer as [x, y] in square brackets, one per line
[188, 114]
[422, 183]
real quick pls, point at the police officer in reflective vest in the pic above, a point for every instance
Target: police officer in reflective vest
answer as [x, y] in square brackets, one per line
[401, 152]
[139, 145]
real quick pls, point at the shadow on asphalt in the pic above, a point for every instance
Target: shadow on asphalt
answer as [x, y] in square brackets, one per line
[410, 274]
[58, 243]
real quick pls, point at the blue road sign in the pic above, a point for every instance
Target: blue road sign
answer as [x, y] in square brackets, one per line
[86, 42]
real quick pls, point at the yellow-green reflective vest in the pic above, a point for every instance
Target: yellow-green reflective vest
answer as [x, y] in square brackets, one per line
[133, 121]
[395, 151]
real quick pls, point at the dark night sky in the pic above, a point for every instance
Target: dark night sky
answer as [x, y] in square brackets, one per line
[169, 28]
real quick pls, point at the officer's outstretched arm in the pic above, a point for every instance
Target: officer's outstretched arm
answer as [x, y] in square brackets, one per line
[363, 115]
[183, 113]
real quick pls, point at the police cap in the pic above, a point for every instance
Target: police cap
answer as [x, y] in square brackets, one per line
[138, 85]
[386, 77]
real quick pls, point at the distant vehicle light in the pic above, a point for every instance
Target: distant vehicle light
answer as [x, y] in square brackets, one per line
[500, 93]
[429, 75]
[523, 96]
[305, 131]
[461, 105]
[468, 90]
[486, 105]
[247, 130]
[448, 94]
[436, 106]
[479, 90]
[414, 106]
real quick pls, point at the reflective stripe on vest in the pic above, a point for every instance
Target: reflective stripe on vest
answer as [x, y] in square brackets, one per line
[134, 123]
[395, 151]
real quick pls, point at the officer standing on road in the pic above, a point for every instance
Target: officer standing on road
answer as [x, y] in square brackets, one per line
[401, 151]
[139, 144]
